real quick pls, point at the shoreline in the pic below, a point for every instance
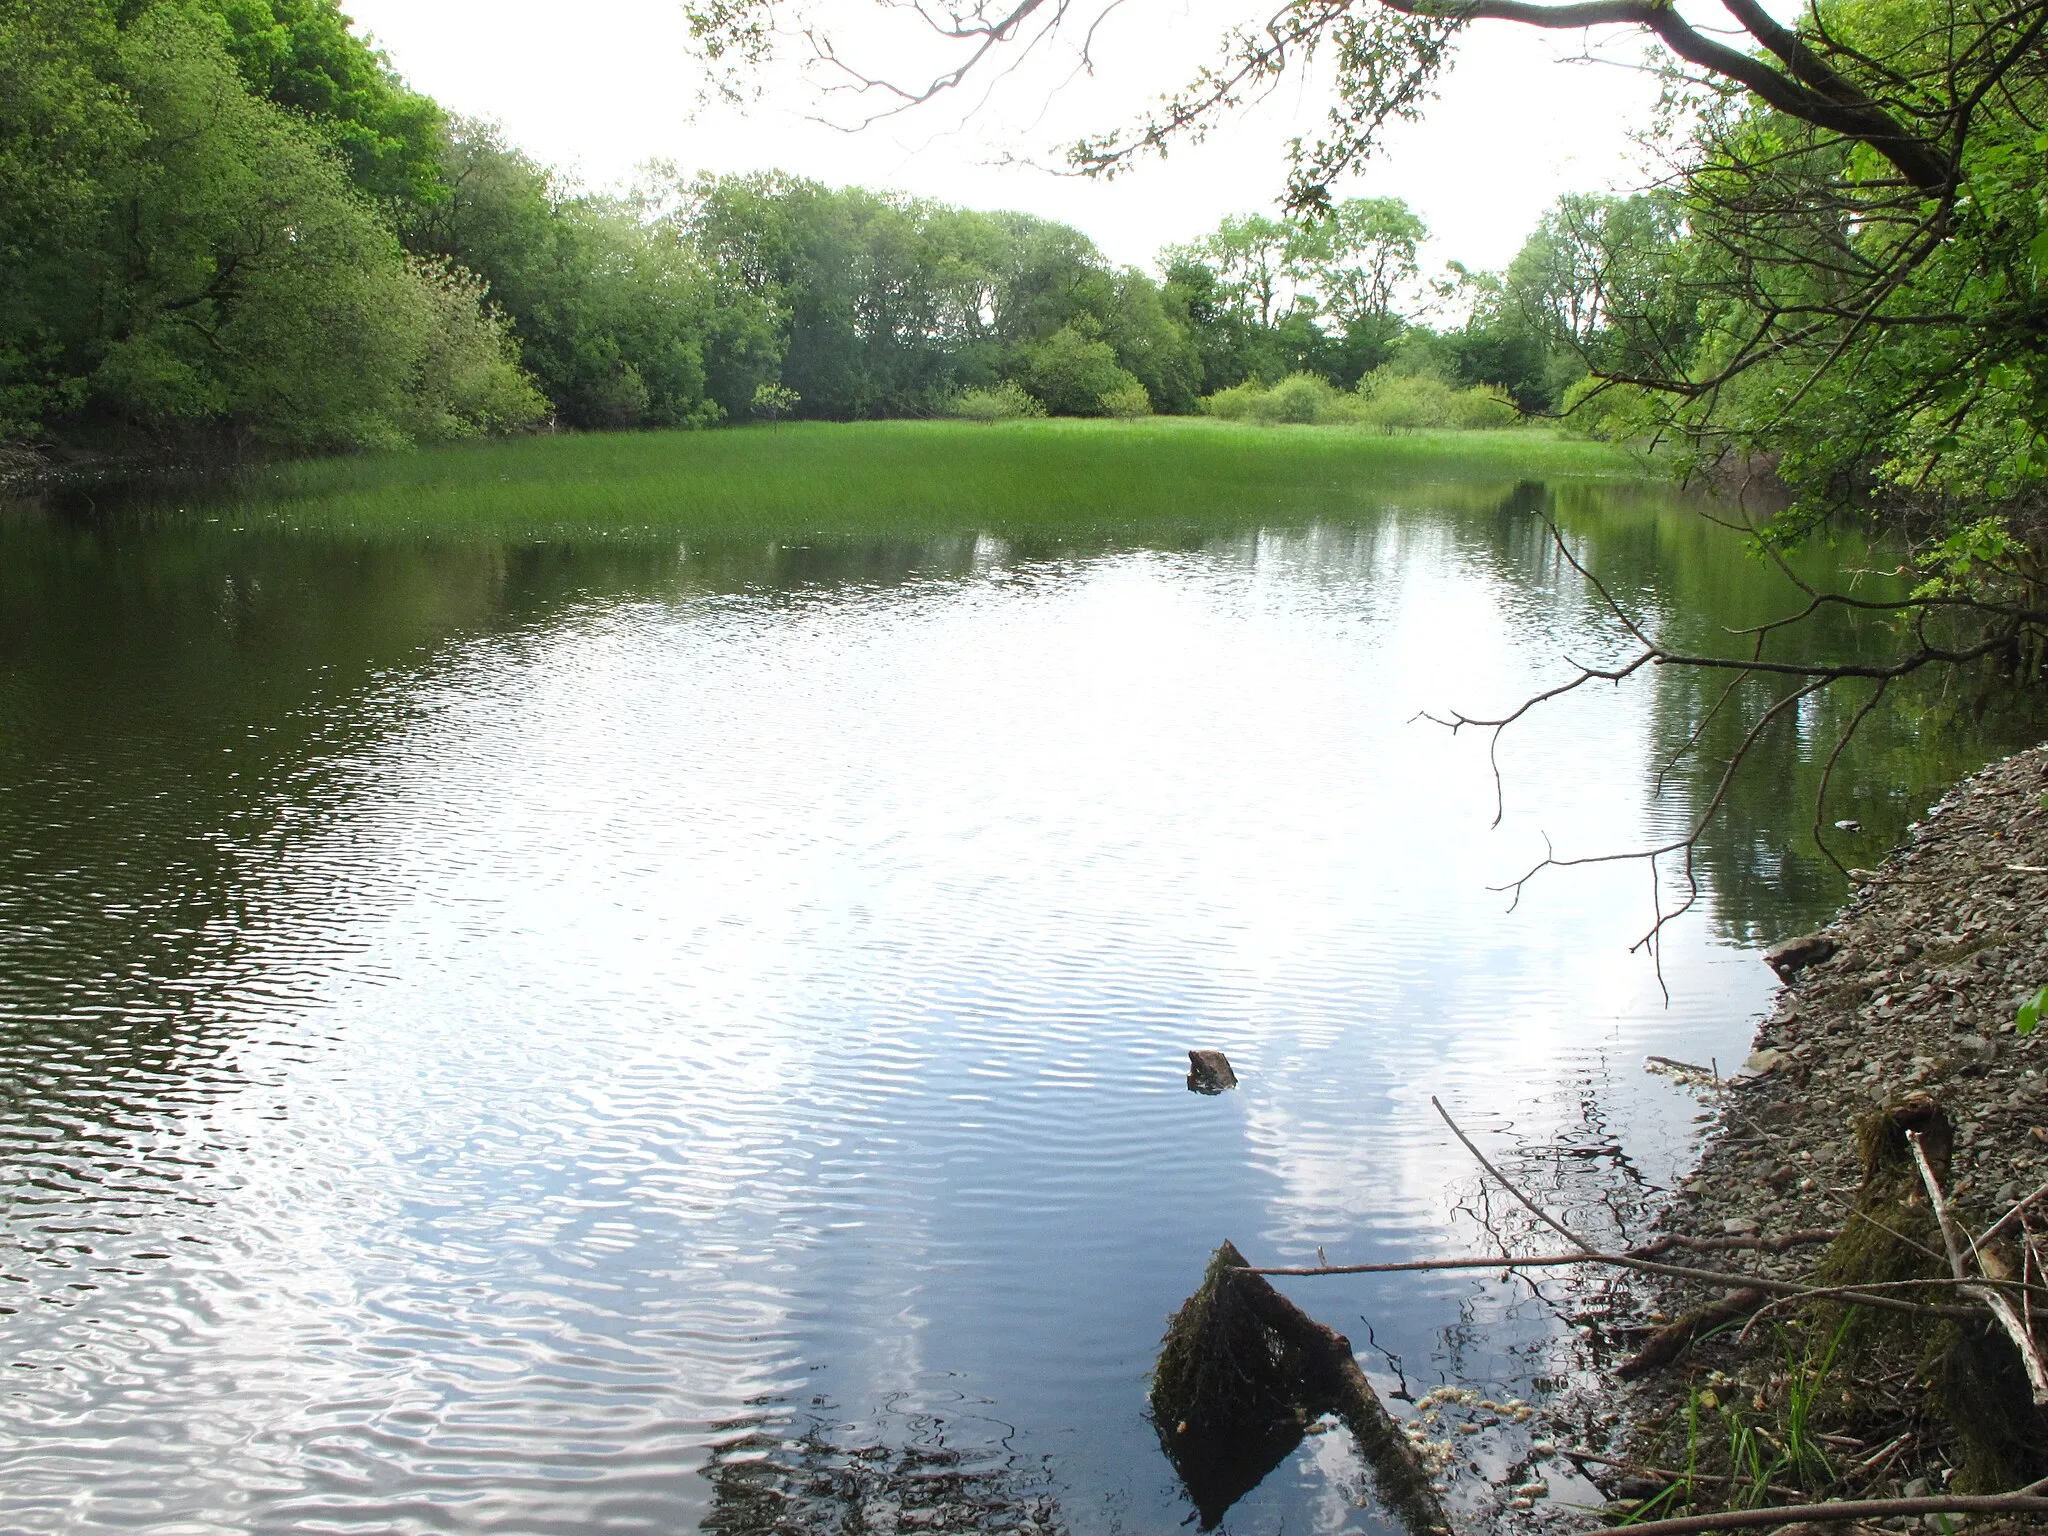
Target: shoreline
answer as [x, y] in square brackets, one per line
[1908, 994]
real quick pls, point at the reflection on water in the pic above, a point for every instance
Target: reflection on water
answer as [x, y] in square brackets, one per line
[550, 1039]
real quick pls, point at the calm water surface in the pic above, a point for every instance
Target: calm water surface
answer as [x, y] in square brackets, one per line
[636, 1038]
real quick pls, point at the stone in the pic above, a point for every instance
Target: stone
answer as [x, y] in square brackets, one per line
[1795, 955]
[1764, 1062]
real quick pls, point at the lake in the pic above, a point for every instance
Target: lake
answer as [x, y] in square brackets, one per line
[684, 1031]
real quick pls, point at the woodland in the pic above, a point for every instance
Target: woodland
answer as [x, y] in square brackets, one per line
[229, 225]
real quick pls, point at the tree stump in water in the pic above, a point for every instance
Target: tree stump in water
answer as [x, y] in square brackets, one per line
[1209, 1072]
[1241, 1375]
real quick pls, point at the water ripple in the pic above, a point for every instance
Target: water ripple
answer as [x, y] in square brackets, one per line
[709, 1050]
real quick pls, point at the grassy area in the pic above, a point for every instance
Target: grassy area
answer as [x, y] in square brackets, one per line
[898, 477]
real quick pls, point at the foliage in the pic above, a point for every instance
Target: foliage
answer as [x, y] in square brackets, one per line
[1127, 402]
[772, 401]
[1300, 398]
[301, 55]
[1073, 374]
[206, 263]
[2029, 1016]
[620, 322]
[1008, 401]
[1395, 400]
[1390, 399]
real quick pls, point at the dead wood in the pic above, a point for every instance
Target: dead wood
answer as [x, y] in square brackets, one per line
[1243, 1372]
[1672, 1340]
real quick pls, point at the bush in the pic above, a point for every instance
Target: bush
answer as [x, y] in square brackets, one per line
[1612, 414]
[1128, 401]
[1005, 402]
[1236, 403]
[1302, 399]
[1411, 402]
[1073, 375]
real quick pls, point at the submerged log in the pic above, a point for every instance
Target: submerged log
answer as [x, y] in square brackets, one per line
[1241, 1375]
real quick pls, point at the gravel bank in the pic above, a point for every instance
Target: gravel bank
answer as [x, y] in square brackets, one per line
[1923, 972]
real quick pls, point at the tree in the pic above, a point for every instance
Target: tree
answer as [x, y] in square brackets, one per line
[613, 310]
[1073, 374]
[1360, 257]
[301, 55]
[1252, 256]
[197, 261]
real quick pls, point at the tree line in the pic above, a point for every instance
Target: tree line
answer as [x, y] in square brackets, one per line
[231, 222]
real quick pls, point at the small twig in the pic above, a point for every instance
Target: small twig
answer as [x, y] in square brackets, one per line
[2017, 1211]
[1805, 1237]
[2001, 1309]
[1879, 1458]
[1637, 1469]
[1509, 1184]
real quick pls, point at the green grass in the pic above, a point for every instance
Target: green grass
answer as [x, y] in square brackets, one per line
[900, 477]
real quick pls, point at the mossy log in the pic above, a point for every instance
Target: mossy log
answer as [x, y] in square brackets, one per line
[1241, 1375]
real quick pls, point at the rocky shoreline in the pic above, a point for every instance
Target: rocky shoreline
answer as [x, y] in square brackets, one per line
[1908, 998]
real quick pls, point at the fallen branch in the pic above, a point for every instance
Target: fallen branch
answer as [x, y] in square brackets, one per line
[1805, 1237]
[2022, 1501]
[1872, 1293]
[2001, 1309]
[1663, 1474]
[1672, 1340]
[1588, 1254]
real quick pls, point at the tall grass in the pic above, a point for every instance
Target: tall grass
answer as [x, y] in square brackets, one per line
[1012, 477]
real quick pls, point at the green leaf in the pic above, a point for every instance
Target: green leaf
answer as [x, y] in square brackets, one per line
[2030, 1013]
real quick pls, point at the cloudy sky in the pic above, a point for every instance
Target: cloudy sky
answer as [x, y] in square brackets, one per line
[605, 85]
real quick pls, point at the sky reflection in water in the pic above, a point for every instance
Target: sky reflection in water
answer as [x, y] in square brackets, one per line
[553, 1040]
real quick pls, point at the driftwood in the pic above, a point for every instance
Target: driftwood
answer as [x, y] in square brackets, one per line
[1999, 1306]
[1241, 1375]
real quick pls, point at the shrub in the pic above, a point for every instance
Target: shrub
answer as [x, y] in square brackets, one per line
[1236, 403]
[1301, 399]
[1073, 375]
[1411, 402]
[1127, 401]
[1005, 402]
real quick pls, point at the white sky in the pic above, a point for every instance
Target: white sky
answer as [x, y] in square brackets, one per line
[601, 86]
